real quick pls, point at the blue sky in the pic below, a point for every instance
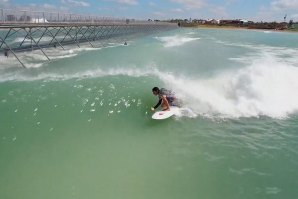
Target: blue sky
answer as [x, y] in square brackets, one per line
[257, 10]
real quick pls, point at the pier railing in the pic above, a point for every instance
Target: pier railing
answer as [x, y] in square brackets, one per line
[13, 16]
[23, 30]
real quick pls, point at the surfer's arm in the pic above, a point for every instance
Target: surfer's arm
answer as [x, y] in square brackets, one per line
[157, 105]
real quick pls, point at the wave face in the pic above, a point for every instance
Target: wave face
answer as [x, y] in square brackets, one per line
[177, 40]
[265, 88]
[85, 118]
[260, 89]
[261, 83]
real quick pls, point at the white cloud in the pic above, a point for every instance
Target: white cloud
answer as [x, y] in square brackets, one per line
[191, 4]
[128, 2]
[4, 3]
[284, 4]
[159, 14]
[229, 2]
[48, 6]
[277, 10]
[265, 14]
[177, 10]
[104, 9]
[219, 12]
[43, 7]
[151, 3]
[34, 7]
[76, 3]
[294, 17]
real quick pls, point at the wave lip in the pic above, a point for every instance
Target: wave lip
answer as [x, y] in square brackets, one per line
[266, 87]
[172, 41]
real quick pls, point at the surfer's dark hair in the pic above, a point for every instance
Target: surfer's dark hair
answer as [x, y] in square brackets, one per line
[155, 89]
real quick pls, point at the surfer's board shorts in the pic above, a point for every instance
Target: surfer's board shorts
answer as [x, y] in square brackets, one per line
[170, 97]
[173, 101]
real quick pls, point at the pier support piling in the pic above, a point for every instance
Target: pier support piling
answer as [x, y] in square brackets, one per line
[29, 33]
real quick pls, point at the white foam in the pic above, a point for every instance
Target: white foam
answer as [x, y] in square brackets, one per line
[265, 88]
[37, 59]
[21, 39]
[177, 40]
[191, 33]
[280, 54]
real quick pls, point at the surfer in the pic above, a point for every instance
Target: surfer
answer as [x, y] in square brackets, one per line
[166, 98]
[6, 53]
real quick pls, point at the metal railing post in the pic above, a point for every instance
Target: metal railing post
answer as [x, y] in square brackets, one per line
[76, 28]
[2, 15]
[25, 14]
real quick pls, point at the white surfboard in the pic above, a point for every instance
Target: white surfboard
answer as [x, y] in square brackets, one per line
[161, 115]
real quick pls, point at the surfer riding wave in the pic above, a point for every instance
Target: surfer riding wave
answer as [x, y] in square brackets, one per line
[166, 99]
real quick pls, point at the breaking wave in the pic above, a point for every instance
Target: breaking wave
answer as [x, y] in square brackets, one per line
[177, 40]
[267, 87]
[262, 89]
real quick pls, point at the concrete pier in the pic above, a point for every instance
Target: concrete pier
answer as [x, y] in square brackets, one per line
[28, 31]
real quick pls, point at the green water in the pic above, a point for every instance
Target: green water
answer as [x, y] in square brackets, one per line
[81, 127]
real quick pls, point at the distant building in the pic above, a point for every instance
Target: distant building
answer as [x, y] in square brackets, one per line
[11, 18]
[39, 20]
[212, 21]
[25, 18]
[230, 22]
[246, 22]
[199, 21]
[235, 22]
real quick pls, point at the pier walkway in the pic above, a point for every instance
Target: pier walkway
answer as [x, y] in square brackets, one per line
[28, 31]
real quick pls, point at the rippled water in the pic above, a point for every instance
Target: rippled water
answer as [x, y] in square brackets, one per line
[80, 126]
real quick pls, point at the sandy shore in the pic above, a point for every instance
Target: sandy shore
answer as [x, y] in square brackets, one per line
[240, 28]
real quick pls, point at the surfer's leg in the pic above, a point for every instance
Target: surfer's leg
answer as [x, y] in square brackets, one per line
[163, 105]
